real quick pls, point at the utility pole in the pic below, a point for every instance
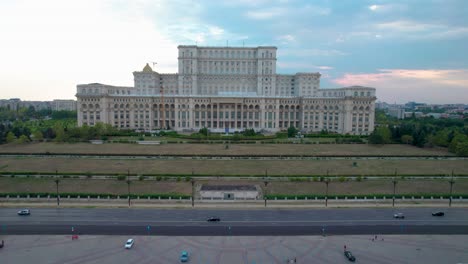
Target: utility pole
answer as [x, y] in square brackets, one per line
[451, 188]
[128, 186]
[57, 184]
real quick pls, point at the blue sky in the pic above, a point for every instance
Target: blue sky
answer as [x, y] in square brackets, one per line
[408, 50]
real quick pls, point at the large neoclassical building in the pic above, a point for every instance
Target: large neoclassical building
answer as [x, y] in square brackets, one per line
[227, 89]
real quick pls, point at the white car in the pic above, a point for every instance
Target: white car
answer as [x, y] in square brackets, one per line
[399, 216]
[24, 212]
[129, 243]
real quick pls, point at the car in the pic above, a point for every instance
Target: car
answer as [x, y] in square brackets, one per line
[438, 213]
[129, 244]
[24, 212]
[399, 215]
[349, 256]
[184, 256]
[213, 219]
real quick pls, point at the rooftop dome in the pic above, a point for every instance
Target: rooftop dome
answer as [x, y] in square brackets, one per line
[147, 68]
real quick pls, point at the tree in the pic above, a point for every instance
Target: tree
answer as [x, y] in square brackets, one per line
[380, 135]
[462, 149]
[441, 138]
[10, 137]
[292, 131]
[37, 135]
[204, 131]
[407, 139]
[249, 132]
[23, 139]
[59, 131]
[457, 139]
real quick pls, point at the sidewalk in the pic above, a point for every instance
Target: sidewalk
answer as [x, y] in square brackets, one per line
[257, 204]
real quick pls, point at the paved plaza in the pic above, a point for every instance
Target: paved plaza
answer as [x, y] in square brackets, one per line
[235, 250]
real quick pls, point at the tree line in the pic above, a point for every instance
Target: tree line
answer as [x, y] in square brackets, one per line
[422, 132]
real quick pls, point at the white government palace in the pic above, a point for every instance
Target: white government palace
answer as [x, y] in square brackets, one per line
[227, 89]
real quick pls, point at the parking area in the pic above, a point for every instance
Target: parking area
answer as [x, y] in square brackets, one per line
[235, 250]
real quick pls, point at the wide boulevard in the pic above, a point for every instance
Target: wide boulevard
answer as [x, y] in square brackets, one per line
[192, 222]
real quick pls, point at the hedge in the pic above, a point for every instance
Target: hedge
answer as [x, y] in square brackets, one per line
[296, 177]
[95, 195]
[362, 196]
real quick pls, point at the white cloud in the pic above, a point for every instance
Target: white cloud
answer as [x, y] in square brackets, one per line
[286, 39]
[285, 12]
[406, 26]
[48, 47]
[402, 85]
[265, 14]
[47, 51]
[388, 8]
[311, 52]
[302, 65]
[374, 7]
[414, 30]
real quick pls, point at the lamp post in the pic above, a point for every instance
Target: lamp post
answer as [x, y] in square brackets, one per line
[265, 194]
[128, 186]
[57, 185]
[451, 188]
[394, 181]
[327, 181]
[193, 190]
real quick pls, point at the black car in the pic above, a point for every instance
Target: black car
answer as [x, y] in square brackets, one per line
[213, 219]
[24, 212]
[438, 213]
[349, 256]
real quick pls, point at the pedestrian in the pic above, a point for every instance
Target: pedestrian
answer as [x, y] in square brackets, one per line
[344, 247]
[295, 260]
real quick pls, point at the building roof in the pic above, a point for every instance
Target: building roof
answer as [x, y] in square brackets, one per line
[228, 188]
[147, 68]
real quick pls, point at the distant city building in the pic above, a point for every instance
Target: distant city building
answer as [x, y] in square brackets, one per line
[415, 114]
[38, 105]
[397, 112]
[56, 104]
[61, 105]
[12, 104]
[413, 105]
[227, 89]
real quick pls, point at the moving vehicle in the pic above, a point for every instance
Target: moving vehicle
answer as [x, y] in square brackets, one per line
[438, 213]
[349, 256]
[213, 219]
[129, 243]
[184, 257]
[399, 215]
[24, 212]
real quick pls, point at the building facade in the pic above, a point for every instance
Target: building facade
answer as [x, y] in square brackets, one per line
[55, 105]
[227, 89]
[63, 105]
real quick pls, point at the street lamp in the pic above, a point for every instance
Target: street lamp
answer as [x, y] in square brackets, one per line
[57, 184]
[327, 181]
[394, 181]
[128, 186]
[451, 188]
[193, 190]
[265, 193]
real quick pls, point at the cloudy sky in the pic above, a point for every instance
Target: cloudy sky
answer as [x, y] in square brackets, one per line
[410, 50]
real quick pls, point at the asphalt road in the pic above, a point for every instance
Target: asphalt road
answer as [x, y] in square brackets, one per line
[189, 222]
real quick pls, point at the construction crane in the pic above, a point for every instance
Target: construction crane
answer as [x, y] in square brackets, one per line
[163, 112]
